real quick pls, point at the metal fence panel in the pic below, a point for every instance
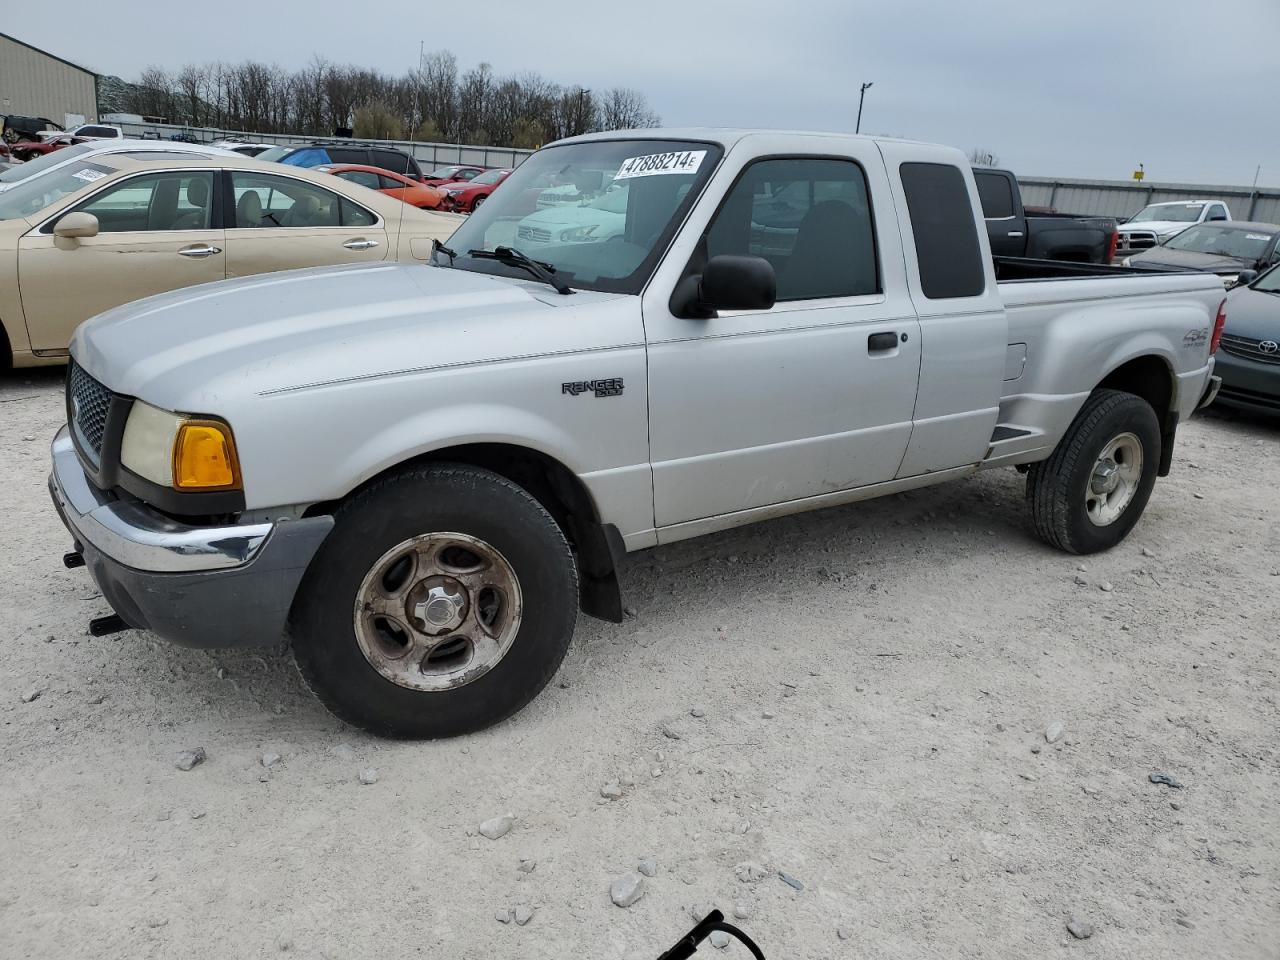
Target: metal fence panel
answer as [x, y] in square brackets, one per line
[428, 154]
[1124, 198]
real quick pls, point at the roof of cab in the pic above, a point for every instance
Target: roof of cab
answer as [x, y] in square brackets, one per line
[725, 136]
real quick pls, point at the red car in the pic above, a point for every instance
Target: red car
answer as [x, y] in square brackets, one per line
[29, 151]
[457, 173]
[384, 181]
[466, 197]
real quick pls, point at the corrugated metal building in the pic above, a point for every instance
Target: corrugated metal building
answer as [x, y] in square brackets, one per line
[34, 83]
[1124, 198]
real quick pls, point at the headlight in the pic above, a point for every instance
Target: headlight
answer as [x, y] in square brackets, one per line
[577, 234]
[184, 453]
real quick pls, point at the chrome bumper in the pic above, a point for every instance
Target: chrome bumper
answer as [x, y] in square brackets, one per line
[138, 536]
[217, 586]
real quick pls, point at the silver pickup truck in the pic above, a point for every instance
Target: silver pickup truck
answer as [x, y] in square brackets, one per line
[419, 474]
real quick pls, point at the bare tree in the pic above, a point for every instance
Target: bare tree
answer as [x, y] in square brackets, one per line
[624, 109]
[434, 101]
[981, 157]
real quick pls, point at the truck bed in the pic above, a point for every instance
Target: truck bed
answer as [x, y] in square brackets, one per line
[1068, 320]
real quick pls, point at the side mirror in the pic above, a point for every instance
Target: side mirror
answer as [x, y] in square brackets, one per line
[733, 282]
[76, 225]
[1246, 277]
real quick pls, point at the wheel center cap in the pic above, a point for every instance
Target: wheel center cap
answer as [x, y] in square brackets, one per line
[1106, 477]
[438, 604]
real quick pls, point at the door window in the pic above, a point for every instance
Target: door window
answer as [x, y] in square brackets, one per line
[156, 201]
[264, 200]
[996, 195]
[395, 162]
[348, 155]
[810, 218]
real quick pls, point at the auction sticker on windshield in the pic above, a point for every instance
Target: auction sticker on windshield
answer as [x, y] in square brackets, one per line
[685, 161]
[88, 175]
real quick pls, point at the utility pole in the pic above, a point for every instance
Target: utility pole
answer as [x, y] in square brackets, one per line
[862, 95]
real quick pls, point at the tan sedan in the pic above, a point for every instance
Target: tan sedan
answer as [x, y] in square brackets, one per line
[93, 235]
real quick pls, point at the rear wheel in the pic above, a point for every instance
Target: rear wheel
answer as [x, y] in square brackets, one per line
[443, 601]
[1089, 494]
[476, 204]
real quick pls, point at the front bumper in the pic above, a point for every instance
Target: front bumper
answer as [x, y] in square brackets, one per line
[215, 586]
[1249, 384]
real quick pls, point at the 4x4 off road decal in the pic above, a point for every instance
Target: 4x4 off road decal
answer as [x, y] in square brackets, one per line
[610, 387]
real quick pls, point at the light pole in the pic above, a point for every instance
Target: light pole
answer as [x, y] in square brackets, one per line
[862, 95]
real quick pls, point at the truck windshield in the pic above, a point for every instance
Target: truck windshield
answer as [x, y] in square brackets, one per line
[600, 211]
[1223, 241]
[1170, 212]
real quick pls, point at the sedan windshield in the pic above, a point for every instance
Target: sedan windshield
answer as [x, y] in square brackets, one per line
[600, 211]
[1269, 282]
[29, 169]
[273, 154]
[29, 198]
[443, 173]
[1243, 244]
[1173, 212]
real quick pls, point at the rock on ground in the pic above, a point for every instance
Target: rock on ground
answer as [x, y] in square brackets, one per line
[497, 827]
[627, 889]
[189, 759]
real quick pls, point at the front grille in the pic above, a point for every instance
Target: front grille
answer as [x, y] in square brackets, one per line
[536, 234]
[89, 401]
[1250, 349]
[1134, 241]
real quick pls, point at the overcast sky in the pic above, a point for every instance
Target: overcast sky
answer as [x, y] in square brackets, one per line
[1070, 88]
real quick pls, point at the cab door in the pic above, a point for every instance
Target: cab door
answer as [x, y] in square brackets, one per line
[811, 397]
[282, 223]
[156, 232]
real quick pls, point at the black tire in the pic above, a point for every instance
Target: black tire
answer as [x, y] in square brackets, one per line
[475, 204]
[1057, 488]
[432, 499]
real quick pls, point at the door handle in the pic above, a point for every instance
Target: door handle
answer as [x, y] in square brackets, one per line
[881, 342]
[360, 244]
[1016, 233]
[199, 251]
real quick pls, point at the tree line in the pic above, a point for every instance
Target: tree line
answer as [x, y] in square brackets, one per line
[437, 102]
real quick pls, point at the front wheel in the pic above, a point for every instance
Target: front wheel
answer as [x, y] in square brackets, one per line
[476, 204]
[443, 601]
[1092, 490]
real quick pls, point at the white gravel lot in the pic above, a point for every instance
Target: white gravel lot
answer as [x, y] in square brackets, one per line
[874, 681]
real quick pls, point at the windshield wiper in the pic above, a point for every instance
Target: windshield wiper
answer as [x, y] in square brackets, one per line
[438, 247]
[512, 257]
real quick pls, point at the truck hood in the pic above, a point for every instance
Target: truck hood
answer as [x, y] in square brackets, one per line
[1159, 227]
[1188, 260]
[186, 350]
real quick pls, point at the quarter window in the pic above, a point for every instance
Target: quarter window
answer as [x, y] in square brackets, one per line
[946, 236]
[157, 201]
[810, 218]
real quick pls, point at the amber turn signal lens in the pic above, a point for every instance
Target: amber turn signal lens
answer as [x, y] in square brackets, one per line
[204, 457]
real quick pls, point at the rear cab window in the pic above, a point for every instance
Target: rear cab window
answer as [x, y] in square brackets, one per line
[946, 235]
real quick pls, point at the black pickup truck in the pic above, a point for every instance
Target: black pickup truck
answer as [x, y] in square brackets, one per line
[1043, 237]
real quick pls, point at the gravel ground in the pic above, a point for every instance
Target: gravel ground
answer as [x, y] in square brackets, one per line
[857, 698]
